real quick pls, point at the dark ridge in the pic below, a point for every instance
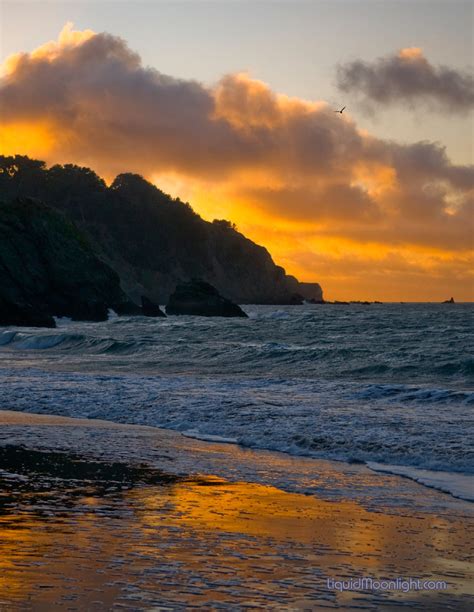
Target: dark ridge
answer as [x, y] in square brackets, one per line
[151, 240]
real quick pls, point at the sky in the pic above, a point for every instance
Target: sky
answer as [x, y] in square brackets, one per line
[375, 203]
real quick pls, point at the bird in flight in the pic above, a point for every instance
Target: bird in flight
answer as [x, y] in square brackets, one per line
[340, 111]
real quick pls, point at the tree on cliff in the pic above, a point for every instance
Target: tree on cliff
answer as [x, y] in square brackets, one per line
[152, 240]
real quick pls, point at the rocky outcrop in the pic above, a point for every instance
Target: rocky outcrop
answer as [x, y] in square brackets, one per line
[149, 309]
[23, 315]
[311, 292]
[154, 241]
[127, 308]
[197, 297]
[47, 268]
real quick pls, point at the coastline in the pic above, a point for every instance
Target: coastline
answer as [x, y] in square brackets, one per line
[211, 536]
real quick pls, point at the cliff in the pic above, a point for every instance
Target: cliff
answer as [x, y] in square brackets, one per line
[47, 268]
[151, 240]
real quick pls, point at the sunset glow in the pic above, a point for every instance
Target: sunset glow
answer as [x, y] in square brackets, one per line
[366, 217]
[236, 304]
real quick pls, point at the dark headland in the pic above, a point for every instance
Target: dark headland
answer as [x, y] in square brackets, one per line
[72, 246]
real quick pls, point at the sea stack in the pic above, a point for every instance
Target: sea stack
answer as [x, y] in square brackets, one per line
[196, 297]
[150, 309]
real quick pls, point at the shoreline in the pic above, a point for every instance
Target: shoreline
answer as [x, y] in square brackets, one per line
[295, 389]
[439, 480]
[457, 486]
[209, 538]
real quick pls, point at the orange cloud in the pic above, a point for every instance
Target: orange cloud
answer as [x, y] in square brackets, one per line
[290, 172]
[410, 53]
[247, 104]
[67, 39]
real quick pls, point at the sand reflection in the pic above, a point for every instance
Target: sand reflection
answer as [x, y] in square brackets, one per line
[209, 541]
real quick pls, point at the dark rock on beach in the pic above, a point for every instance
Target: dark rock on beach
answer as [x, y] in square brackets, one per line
[149, 309]
[48, 268]
[197, 297]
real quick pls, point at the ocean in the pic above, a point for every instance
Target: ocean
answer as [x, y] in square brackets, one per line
[388, 385]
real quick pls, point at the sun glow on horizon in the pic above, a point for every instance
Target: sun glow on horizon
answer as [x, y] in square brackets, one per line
[27, 138]
[329, 200]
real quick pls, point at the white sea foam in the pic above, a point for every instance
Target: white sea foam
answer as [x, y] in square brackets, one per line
[208, 437]
[390, 386]
[458, 485]
[180, 454]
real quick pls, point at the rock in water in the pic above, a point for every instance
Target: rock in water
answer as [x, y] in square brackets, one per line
[450, 301]
[23, 315]
[197, 297]
[149, 309]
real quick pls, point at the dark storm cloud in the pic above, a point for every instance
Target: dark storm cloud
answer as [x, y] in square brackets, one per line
[408, 78]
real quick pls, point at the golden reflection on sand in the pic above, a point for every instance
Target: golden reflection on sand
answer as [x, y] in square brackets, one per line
[211, 541]
[342, 529]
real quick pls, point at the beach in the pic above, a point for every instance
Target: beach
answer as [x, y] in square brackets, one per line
[168, 523]
[236, 306]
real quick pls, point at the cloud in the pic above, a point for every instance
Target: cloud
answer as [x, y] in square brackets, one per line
[67, 38]
[408, 78]
[237, 148]
[337, 201]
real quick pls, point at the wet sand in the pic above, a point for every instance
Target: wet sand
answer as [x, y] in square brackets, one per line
[85, 533]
